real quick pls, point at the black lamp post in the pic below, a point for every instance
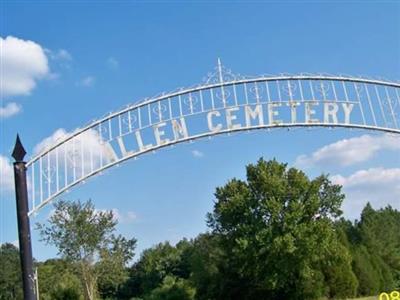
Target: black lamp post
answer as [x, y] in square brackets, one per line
[24, 233]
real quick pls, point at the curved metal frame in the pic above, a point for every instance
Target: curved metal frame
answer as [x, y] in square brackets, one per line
[205, 87]
[220, 85]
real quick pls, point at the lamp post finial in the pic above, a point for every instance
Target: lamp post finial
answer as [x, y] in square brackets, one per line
[19, 150]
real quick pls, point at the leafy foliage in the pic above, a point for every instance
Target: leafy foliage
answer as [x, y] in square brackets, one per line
[10, 274]
[158, 263]
[85, 237]
[172, 288]
[58, 281]
[376, 250]
[276, 235]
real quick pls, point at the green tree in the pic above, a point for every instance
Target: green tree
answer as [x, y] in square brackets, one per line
[111, 267]
[379, 233]
[58, 281]
[10, 273]
[208, 265]
[156, 263]
[84, 236]
[172, 288]
[365, 270]
[277, 231]
[374, 243]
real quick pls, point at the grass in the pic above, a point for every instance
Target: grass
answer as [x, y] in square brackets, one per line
[366, 298]
[362, 298]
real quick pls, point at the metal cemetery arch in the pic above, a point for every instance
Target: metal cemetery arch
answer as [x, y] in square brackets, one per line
[224, 103]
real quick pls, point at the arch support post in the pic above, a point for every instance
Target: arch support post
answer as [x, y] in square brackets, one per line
[24, 232]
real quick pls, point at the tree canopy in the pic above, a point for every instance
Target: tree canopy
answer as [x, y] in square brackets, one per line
[10, 272]
[84, 236]
[277, 234]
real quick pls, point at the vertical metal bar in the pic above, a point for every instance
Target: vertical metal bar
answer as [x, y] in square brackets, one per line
[322, 90]
[100, 131]
[170, 108]
[345, 91]
[334, 90]
[221, 80]
[370, 104]
[48, 175]
[359, 102]
[256, 90]
[290, 90]
[201, 101]
[268, 94]
[119, 125]
[301, 90]
[139, 118]
[398, 100]
[380, 105]
[41, 179]
[398, 97]
[235, 95]
[109, 130]
[391, 107]
[101, 154]
[65, 165]
[159, 111]
[180, 106]
[57, 174]
[91, 160]
[212, 99]
[191, 103]
[73, 159]
[24, 234]
[279, 91]
[149, 113]
[130, 120]
[223, 96]
[33, 185]
[245, 93]
[312, 90]
[82, 158]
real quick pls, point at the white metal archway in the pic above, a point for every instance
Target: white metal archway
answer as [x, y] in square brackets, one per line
[223, 103]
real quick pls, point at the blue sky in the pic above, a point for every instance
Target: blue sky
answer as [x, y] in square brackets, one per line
[100, 56]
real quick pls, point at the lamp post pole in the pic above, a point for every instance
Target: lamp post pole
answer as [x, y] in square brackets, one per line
[24, 233]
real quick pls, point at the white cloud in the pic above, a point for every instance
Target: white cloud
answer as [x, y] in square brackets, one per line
[130, 215]
[350, 151]
[197, 153]
[6, 175]
[61, 58]
[112, 63]
[60, 54]
[121, 217]
[9, 110]
[23, 63]
[124, 218]
[84, 152]
[49, 141]
[379, 186]
[372, 176]
[89, 139]
[87, 81]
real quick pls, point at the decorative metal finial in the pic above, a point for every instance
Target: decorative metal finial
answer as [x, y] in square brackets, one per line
[19, 151]
[220, 74]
